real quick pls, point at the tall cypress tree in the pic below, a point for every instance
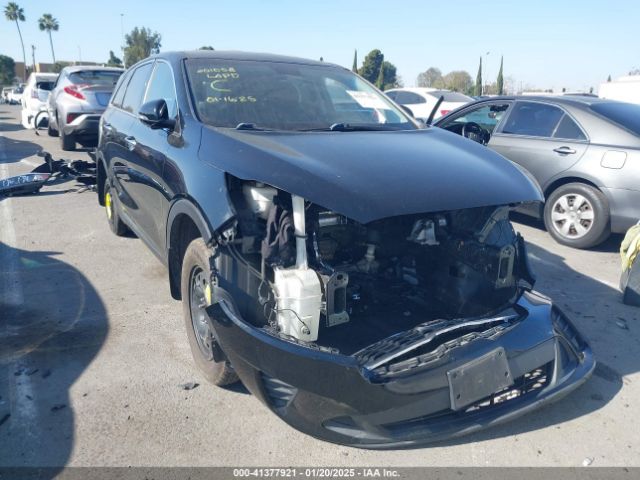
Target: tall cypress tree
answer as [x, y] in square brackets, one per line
[354, 68]
[478, 90]
[500, 80]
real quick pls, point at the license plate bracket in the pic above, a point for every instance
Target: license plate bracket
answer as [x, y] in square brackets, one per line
[479, 378]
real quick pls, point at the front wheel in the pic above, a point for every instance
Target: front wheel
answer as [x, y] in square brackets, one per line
[196, 295]
[577, 215]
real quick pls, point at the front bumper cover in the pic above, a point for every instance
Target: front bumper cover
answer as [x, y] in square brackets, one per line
[411, 402]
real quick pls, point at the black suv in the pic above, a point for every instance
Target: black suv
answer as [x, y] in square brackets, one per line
[356, 271]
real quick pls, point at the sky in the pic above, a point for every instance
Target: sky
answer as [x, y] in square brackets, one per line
[545, 44]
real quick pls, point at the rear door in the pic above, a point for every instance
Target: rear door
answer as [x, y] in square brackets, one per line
[541, 137]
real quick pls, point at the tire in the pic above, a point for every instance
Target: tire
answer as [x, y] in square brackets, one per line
[577, 215]
[194, 279]
[51, 131]
[115, 223]
[67, 142]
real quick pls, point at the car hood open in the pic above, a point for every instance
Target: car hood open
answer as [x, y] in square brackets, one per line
[371, 175]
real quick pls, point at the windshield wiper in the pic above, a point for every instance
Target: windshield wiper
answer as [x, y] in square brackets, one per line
[251, 126]
[350, 127]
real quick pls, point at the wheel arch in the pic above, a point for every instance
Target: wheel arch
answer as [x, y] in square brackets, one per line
[558, 182]
[184, 224]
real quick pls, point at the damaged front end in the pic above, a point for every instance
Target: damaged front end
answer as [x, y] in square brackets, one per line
[397, 332]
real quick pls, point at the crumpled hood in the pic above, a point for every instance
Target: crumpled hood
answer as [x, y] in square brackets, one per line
[367, 176]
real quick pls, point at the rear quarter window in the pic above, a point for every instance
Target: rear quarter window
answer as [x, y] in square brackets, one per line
[625, 115]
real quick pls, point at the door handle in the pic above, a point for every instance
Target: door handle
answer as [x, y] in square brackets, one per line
[107, 127]
[131, 142]
[564, 150]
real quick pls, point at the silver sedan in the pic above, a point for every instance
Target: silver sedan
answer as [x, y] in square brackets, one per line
[583, 151]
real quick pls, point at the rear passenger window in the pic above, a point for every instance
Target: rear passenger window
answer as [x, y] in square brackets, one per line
[136, 88]
[569, 130]
[533, 119]
[409, 98]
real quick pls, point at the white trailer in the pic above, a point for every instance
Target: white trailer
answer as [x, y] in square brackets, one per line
[624, 89]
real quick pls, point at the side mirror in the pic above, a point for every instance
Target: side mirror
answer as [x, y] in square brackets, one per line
[156, 114]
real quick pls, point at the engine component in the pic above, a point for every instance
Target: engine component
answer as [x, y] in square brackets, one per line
[369, 264]
[259, 197]
[424, 233]
[298, 302]
[298, 292]
[335, 291]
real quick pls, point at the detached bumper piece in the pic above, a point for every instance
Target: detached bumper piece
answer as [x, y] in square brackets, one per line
[439, 380]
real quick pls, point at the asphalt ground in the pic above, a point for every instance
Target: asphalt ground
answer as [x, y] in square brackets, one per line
[93, 352]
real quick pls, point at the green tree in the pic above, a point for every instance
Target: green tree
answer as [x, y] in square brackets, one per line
[458, 81]
[432, 77]
[14, 13]
[206, 47]
[609, 78]
[371, 65]
[478, 90]
[141, 43]
[390, 77]
[7, 70]
[354, 67]
[500, 80]
[113, 60]
[46, 23]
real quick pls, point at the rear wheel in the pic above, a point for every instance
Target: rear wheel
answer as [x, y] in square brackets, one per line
[577, 215]
[52, 131]
[67, 142]
[196, 296]
[115, 223]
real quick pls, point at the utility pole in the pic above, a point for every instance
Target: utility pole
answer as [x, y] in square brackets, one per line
[33, 57]
[124, 62]
[482, 74]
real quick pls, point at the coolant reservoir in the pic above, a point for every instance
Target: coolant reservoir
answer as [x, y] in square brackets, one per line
[299, 298]
[259, 197]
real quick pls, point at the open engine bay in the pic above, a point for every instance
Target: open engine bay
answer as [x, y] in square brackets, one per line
[318, 278]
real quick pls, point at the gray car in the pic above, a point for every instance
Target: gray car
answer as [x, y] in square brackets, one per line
[77, 101]
[584, 152]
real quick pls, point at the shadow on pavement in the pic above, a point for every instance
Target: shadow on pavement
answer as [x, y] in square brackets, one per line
[52, 324]
[12, 151]
[611, 328]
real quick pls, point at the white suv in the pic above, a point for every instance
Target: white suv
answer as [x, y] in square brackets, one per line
[35, 95]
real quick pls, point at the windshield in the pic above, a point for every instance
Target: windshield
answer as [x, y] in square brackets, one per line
[627, 115]
[95, 77]
[286, 96]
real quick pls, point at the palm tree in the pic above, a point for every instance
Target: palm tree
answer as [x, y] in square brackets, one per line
[48, 23]
[14, 13]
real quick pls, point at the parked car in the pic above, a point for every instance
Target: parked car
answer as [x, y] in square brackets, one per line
[79, 97]
[583, 152]
[4, 95]
[14, 96]
[358, 273]
[35, 95]
[422, 100]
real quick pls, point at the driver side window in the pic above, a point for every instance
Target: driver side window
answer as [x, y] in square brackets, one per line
[487, 116]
